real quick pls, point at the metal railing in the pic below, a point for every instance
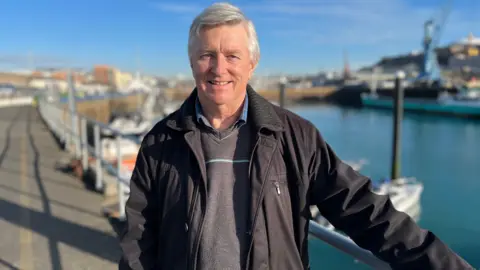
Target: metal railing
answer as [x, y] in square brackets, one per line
[75, 141]
[346, 245]
[53, 115]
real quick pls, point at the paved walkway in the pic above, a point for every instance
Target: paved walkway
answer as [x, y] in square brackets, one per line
[48, 220]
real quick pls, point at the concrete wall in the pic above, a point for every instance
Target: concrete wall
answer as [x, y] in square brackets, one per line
[15, 79]
[101, 110]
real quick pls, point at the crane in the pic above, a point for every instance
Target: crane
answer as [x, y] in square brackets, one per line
[430, 70]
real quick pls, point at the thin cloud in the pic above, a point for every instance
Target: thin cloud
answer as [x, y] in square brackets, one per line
[177, 8]
[30, 59]
[359, 22]
[339, 22]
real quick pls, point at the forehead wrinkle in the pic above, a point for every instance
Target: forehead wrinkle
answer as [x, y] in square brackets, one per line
[233, 47]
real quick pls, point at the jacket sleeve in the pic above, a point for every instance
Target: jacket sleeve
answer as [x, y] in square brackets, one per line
[138, 241]
[345, 199]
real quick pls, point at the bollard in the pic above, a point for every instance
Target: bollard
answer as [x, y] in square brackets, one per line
[283, 83]
[120, 185]
[84, 144]
[98, 159]
[397, 125]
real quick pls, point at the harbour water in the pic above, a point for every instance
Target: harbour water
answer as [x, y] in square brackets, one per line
[442, 152]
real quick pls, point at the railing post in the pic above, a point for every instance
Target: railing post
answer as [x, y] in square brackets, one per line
[84, 144]
[78, 145]
[68, 129]
[282, 89]
[63, 124]
[73, 114]
[98, 159]
[120, 185]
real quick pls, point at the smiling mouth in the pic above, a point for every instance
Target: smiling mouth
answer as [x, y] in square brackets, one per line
[219, 82]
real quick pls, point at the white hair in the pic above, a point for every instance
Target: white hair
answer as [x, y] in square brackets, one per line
[224, 14]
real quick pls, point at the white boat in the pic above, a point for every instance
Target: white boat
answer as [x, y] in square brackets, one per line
[132, 124]
[357, 165]
[404, 193]
[127, 148]
[138, 123]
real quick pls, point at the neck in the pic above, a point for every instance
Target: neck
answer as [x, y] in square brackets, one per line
[221, 117]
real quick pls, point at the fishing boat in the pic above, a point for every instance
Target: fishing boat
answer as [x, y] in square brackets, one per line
[156, 106]
[128, 150]
[465, 103]
[127, 147]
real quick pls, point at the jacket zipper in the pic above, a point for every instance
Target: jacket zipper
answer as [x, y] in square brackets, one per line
[191, 263]
[277, 186]
[190, 220]
[196, 244]
[260, 199]
[251, 156]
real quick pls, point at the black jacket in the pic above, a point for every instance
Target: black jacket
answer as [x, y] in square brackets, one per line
[168, 193]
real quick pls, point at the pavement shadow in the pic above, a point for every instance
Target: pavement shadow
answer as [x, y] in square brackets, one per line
[68, 165]
[8, 136]
[53, 202]
[60, 144]
[6, 265]
[58, 230]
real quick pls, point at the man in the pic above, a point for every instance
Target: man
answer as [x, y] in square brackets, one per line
[226, 181]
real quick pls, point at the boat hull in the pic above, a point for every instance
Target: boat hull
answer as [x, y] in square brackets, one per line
[427, 106]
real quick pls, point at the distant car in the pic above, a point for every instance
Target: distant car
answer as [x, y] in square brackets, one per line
[7, 89]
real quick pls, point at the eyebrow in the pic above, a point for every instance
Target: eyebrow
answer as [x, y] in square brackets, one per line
[234, 51]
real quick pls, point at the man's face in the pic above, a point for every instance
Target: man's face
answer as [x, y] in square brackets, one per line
[221, 64]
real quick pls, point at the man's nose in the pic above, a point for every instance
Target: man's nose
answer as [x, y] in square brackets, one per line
[219, 65]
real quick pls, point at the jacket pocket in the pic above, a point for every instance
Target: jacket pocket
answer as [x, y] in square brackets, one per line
[280, 226]
[279, 190]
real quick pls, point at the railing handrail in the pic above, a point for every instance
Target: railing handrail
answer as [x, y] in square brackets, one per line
[102, 125]
[346, 245]
[115, 132]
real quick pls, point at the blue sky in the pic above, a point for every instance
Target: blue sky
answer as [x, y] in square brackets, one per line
[295, 36]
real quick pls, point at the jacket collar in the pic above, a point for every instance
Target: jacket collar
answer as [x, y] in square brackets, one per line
[260, 111]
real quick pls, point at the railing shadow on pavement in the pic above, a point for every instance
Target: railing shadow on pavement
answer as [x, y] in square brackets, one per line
[7, 265]
[8, 136]
[58, 230]
[57, 225]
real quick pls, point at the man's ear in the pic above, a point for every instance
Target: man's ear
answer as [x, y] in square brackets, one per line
[253, 66]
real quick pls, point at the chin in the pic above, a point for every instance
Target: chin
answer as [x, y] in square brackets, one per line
[219, 98]
[219, 95]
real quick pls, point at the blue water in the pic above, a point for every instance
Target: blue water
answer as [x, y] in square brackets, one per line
[442, 152]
